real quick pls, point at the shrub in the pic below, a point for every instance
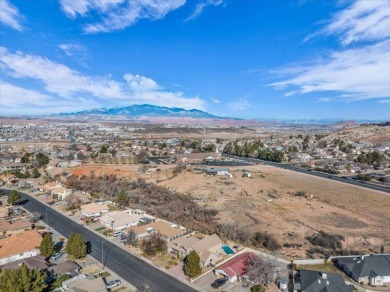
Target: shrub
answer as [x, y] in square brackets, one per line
[257, 288]
[326, 240]
[192, 264]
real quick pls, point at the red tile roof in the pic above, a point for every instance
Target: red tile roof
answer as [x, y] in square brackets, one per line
[236, 266]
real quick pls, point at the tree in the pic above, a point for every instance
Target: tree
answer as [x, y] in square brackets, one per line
[25, 158]
[72, 202]
[130, 237]
[58, 282]
[41, 159]
[47, 246]
[76, 246]
[14, 198]
[34, 217]
[22, 279]
[260, 270]
[122, 198]
[35, 173]
[103, 149]
[192, 266]
[257, 288]
[154, 244]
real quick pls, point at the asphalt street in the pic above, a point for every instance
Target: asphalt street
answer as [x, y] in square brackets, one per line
[127, 266]
[331, 177]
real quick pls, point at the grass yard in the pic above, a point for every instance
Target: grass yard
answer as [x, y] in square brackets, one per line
[327, 268]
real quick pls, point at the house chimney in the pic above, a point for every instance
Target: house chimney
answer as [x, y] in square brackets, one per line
[324, 276]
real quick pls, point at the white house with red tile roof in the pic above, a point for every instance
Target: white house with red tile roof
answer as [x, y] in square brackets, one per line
[235, 268]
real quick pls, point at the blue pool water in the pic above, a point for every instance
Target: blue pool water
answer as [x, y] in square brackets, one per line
[227, 249]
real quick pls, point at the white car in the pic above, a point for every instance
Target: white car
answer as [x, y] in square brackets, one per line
[113, 284]
[56, 256]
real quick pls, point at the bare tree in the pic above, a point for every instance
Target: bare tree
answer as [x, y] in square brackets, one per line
[34, 217]
[72, 202]
[130, 237]
[261, 270]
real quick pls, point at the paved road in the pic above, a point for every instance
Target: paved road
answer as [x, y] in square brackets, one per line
[127, 266]
[314, 173]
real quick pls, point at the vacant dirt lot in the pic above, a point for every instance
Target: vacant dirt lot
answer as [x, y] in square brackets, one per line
[268, 202]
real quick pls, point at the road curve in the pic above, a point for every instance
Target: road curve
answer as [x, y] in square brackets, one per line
[127, 266]
[331, 177]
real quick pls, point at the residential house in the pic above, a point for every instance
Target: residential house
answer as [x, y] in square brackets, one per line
[168, 230]
[14, 227]
[38, 261]
[119, 220]
[235, 269]
[217, 171]
[68, 267]
[208, 248]
[308, 281]
[86, 283]
[93, 210]
[19, 246]
[195, 157]
[370, 270]
[14, 166]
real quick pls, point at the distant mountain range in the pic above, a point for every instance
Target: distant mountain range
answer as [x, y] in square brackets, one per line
[145, 110]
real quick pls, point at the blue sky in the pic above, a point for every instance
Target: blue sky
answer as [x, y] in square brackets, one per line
[299, 59]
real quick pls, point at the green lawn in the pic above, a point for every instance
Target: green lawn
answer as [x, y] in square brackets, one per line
[328, 268]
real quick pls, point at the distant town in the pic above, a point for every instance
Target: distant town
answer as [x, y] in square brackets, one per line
[166, 194]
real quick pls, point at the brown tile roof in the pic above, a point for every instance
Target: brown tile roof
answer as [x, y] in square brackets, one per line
[165, 229]
[19, 243]
[65, 267]
[5, 225]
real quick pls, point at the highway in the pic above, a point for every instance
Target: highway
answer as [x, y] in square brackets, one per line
[127, 266]
[331, 177]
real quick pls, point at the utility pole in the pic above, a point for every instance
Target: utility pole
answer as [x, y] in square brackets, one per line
[102, 255]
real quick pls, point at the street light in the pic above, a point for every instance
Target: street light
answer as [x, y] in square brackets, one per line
[102, 255]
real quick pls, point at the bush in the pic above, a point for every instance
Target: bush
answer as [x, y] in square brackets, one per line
[58, 282]
[266, 240]
[257, 288]
[326, 240]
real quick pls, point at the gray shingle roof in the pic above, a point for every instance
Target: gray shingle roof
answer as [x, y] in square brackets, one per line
[365, 266]
[322, 282]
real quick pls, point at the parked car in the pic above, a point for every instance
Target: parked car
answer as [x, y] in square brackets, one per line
[117, 233]
[113, 284]
[56, 256]
[218, 283]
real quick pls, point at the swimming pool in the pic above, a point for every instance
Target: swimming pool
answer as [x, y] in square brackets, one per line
[227, 249]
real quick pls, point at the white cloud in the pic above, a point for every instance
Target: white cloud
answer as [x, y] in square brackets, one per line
[215, 100]
[119, 14]
[361, 73]
[12, 95]
[140, 83]
[240, 104]
[70, 84]
[202, 5]
[10, 16]
[323, 99]
[384, 101]
[360, 21]
[76, 51]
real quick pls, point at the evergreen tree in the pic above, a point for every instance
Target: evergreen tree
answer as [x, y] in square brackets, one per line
[35, 173]
[103, 149]
[22, 280]
[69, 244]
[14, 198]
[47, 246]
[76, 246]
[122, 198]
[192, 264]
